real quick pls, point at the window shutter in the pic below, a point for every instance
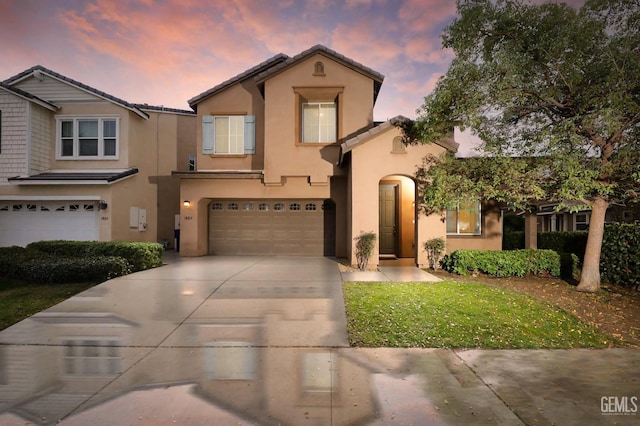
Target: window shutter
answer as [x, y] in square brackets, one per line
[249, 134]
[207, 134]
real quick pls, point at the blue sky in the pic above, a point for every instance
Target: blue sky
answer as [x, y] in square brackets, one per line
[163, 52]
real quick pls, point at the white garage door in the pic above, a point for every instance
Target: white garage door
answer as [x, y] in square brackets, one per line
[23, 222]
[284, 227]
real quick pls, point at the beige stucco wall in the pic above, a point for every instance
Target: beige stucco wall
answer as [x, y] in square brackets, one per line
[318, 161]
[240, 99]
[372, 161]
[491, 237]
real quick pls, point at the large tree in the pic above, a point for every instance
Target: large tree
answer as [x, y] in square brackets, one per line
[554, 94]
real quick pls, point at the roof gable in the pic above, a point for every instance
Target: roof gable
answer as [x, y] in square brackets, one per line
[251, 72]
[397, 121]
[323, 50]
[28, 97]
[39, 72]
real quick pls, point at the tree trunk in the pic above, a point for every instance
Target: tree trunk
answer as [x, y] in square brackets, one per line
[590, 277]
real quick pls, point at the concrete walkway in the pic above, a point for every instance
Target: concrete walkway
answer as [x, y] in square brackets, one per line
[262, 340]
[391, 273]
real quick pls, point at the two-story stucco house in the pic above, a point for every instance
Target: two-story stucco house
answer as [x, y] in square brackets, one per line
[289, 161]
[79, 164]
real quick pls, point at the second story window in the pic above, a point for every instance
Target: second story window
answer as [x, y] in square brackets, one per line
[87, 138]
[319, 122]
[228, 134]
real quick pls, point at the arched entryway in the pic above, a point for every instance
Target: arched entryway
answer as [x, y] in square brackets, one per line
[397, 217]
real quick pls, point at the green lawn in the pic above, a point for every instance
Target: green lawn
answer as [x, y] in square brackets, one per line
[19, 300]
[459, 315]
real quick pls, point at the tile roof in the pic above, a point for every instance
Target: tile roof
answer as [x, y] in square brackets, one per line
[318, 48]
[396, 121]
[73, 177]
[28, 96]
[280, 57]
[160, 108]
[27, 73]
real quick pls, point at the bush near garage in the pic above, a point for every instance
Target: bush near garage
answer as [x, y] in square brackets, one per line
[517, 263]
[139, 256]
[34, 266]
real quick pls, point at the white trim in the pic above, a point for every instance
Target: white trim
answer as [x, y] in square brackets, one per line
[28, 141]
[50, 198]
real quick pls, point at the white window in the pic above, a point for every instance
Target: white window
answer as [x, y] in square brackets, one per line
[91, 357]
[230, 361]
[228, 134]
[319, 372]
[82, 138]
[319, 123]
[464, 219]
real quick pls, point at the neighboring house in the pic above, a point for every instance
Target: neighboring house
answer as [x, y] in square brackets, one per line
[550, 219]
[290, 161]
[79, 164]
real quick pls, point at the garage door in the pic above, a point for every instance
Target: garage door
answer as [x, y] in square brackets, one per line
[23, 222]
[287, 227]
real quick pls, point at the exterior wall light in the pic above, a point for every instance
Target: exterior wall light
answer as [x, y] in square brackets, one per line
[186, 203]
[102, 205]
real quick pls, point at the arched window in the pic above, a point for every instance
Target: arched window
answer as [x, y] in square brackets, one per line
[318, 68]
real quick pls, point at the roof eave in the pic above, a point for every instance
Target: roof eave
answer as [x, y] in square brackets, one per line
[66, 80]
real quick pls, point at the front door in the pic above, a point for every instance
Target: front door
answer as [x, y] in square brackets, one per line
[388, 219]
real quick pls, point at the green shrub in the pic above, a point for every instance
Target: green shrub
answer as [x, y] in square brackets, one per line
[434, 248]
[517, 263]
[620, 258]
[564, 242]
[140, 256]
[365, 243]
[513, 240]
[34, 266]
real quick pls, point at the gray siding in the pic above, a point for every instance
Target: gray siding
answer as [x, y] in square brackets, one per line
[54, 91]
[13, 158]
[42, 139]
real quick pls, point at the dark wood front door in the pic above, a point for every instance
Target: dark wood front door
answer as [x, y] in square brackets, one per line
[388, 219]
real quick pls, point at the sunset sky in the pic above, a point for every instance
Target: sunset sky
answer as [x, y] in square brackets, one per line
[164, 52]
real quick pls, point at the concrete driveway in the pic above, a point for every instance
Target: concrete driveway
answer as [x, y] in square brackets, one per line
[262, 340]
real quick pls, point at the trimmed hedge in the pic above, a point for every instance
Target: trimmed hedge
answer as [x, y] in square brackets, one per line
[564, 242]
[34, 266]
[517, 263]
[139, 256]
[620, 258]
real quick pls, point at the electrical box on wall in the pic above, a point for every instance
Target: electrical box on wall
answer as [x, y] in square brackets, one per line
[138, 218]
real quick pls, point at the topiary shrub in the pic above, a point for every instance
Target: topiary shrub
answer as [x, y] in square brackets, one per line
[517, 263]
[434, 248]
[365, 243]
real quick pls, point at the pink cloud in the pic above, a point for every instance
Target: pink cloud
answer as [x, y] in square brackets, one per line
[421, 16]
